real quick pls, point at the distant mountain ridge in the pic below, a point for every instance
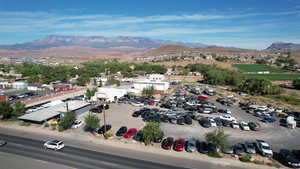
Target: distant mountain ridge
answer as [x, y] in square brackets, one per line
[98, 42]
[277, 46]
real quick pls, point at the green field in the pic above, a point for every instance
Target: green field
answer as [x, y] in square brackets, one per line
[257, 68]
[274, 77]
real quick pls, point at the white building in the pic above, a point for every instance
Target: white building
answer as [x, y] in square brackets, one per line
[155, 77]
[157, 85]
[19, 85]
[110, 93]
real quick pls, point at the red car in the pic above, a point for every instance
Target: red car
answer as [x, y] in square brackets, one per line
[179, 145]
[130, 133]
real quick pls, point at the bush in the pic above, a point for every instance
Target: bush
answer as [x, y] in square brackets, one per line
[245, 158]
[214, 154]
[151, 132]
[46, 124]
[108, 135]
[23, 123]
[217, 138]
[60, 128]
[53, 127]
[91, 122]
[68, 120]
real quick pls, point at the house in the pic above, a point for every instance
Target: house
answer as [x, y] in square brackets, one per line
[159, 86]
[111, 93]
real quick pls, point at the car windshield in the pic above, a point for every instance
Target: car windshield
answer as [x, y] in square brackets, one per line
[266, 147]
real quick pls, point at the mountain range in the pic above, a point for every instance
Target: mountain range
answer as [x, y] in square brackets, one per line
[98, 42]
[282, 46]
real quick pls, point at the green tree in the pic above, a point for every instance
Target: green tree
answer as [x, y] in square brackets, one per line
[217, 138]
[90, 93]
[148, 91]
[5, 110]
[296, 84]
[91, 122]
[67, 120]
[259, 87]
[19, 109]
[151, 132]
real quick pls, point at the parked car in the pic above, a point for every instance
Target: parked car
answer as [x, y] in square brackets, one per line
[138, 136]
[2, 143]
[249, 147]
[228, 150]
[77, 124]
[268, 120]
[202, 147]
[54, 144]
[179, 145]
[264, 148]
[239, 149]
[104, 129]
[130, 133]
[188, 120]
[167, 143]
[121, 131]
[191, 145]
[254, 126]
[228, 117]
[136, 114]
[212, 148]
[204, 122]
[212, 123]
[244, 126]
[288, 158]
[235, 125]
[180, 120]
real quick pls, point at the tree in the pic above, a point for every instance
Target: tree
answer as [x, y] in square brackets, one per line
[90, 93]
[19, 109]
[5, 110]
[113, 81]
[259, 87]
[91, 122]
[217, 138]
[151, 132]
[296, 84]
[67, 120]
[148, 91]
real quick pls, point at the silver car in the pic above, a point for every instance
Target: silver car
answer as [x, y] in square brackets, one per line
[249, 147]
[191, 145]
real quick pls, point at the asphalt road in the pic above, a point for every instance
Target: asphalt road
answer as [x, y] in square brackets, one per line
[74, 157]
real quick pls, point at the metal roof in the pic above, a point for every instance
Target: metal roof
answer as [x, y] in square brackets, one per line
[50, 112]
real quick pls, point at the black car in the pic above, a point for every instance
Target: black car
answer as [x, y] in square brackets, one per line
[121, 131]
[212, 148]
[2, 143]
[164, 118]
[204, 122]
[167, 143]
[226, 123]
[218, 121]
[104, 129]
[159, 139]
[288, 158]
[188, 120]
[138, 136]
[239, 149]
[202, 147]
[254, 126]
[136, 114]
[180, 121]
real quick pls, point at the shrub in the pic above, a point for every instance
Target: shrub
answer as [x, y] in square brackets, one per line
[61, 128]
[108, 135]
[53, 127]
[151, 132]
[214, 154]
[46, 124]
[217, 138]
[91, 122]
[23, 123]
[245, 158]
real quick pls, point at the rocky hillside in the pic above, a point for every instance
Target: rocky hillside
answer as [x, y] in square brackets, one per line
[283, 46]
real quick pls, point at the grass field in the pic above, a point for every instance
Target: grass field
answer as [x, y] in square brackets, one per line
[274, 77]
[257, 68]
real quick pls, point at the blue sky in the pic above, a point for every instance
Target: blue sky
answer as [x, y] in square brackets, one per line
[241, 23]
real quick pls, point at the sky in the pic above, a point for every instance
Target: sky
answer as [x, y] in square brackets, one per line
[252, 24]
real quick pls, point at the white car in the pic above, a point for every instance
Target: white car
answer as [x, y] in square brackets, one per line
[244, 126]
[228, 118]
[235, 125]
[212, 123]
[54, 144]
[77, 124]
[264, 148]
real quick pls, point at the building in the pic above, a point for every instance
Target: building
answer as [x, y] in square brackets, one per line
[156, 77]
[159, 86]
[53, 110]
[19, 85]
[111, 93]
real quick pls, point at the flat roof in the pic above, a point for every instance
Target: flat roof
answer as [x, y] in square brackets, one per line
[50, 112]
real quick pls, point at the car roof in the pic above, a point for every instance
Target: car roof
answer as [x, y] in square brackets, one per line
[56, 141]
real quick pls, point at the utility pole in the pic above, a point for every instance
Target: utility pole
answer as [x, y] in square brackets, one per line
[104, 118]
